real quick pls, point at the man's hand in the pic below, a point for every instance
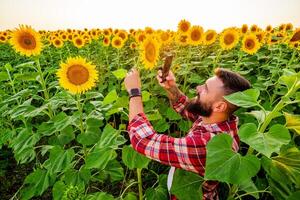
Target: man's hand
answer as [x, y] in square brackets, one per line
[170, 80]
[132, 80]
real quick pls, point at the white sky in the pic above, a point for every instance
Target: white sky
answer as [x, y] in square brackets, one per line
[163, 14]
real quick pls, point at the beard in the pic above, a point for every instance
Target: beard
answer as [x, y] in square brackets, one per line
[199, 108]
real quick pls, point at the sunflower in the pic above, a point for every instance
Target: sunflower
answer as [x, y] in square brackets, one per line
[209, 37]
[269, 28]
[295, 36]
[117, 42]
[77, 75]
[184, 26]
[195, 35]
[229, 38]
[260, 35]
[165, 36]
[244, 29]
[149, 30]
[150, 52]
[250, 43]
[58, 43]
[3, 38]
[140, 37]
[106, 41]
[182, 39]
[133, 45]
[123, 34]
[78, 42]
[289, 27]
[253, 28]
[26, 41]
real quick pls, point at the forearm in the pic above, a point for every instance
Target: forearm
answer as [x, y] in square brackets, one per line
[135, 106]
[174, 93]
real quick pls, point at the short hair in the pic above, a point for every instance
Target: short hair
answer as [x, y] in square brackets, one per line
[232, 82]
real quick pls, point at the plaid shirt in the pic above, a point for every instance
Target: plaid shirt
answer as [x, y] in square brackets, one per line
[188, 152]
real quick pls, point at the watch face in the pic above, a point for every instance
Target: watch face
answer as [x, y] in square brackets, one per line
[135, 91]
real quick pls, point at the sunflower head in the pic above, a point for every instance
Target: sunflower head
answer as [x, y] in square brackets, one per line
[250, 43]
[26, 41]
[150, 52]
[58, 43]
[78, 41]
[117, 42]
[184, 26]
[269, 28]
[195, 35]
[289, 27]
[295, 38]
[229, 38]
[140, 37]
[254, 28]
[106, 41]
[244, 29]
[182, 39]
[133, 45]
[77, 75]
[3, 37]
[209, 37]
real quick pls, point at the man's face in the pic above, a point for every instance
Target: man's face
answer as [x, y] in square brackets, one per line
[207, 94]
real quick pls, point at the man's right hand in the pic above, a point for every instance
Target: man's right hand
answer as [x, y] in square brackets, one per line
[170, 80]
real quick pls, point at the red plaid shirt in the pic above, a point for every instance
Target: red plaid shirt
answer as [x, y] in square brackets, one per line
[188, 152]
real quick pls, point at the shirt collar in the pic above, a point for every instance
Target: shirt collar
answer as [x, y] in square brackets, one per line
[220, 126]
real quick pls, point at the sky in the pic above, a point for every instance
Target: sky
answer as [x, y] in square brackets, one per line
[158, 14]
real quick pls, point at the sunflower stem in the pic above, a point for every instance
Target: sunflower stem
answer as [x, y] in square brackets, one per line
[43, 84]
[139, 176]
[79, 107]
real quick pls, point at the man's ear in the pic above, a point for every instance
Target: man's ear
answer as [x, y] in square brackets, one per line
[220, 106]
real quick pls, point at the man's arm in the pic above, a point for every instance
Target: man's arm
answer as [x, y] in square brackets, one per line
[177, 99]
[188, 152]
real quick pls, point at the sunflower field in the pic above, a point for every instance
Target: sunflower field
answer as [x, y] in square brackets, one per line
[64, 112]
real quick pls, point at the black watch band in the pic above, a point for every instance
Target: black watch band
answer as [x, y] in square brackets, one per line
[134, 92]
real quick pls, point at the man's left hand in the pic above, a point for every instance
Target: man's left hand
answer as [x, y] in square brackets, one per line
[132, 80]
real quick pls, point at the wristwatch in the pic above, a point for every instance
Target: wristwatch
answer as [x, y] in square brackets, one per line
[134, 92]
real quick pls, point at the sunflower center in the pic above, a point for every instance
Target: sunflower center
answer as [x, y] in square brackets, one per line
[228, 39]
[27, 41]
[184, 27]
[78, 74]
[250, 44]
[117, 42]
[209, 36]
[196, 35]
[296, 37]
[78, 41]
[150, 52]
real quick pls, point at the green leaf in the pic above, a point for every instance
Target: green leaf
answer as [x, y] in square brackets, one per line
[78, 178]
[133, 159]
[154, 116]
[120, 73]
[249, 187]
[265, 143]
[100, 196]
[110, 137]
[145, 96]
[110, 97]
[36, 183]
[66, 135]
[283, 172]
[4, 76]
[294, 196]
[245, 99]
[223, 164]
[131, 196]
[187, 185]
[115, 170]
[92, 132]
[99, 158]
[171, 114]
[161, 126]
[58, 190]
[23, 145]
[59, 159]
[160, 192]
[292, 122]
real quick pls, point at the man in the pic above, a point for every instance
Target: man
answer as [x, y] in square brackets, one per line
[211, 115]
